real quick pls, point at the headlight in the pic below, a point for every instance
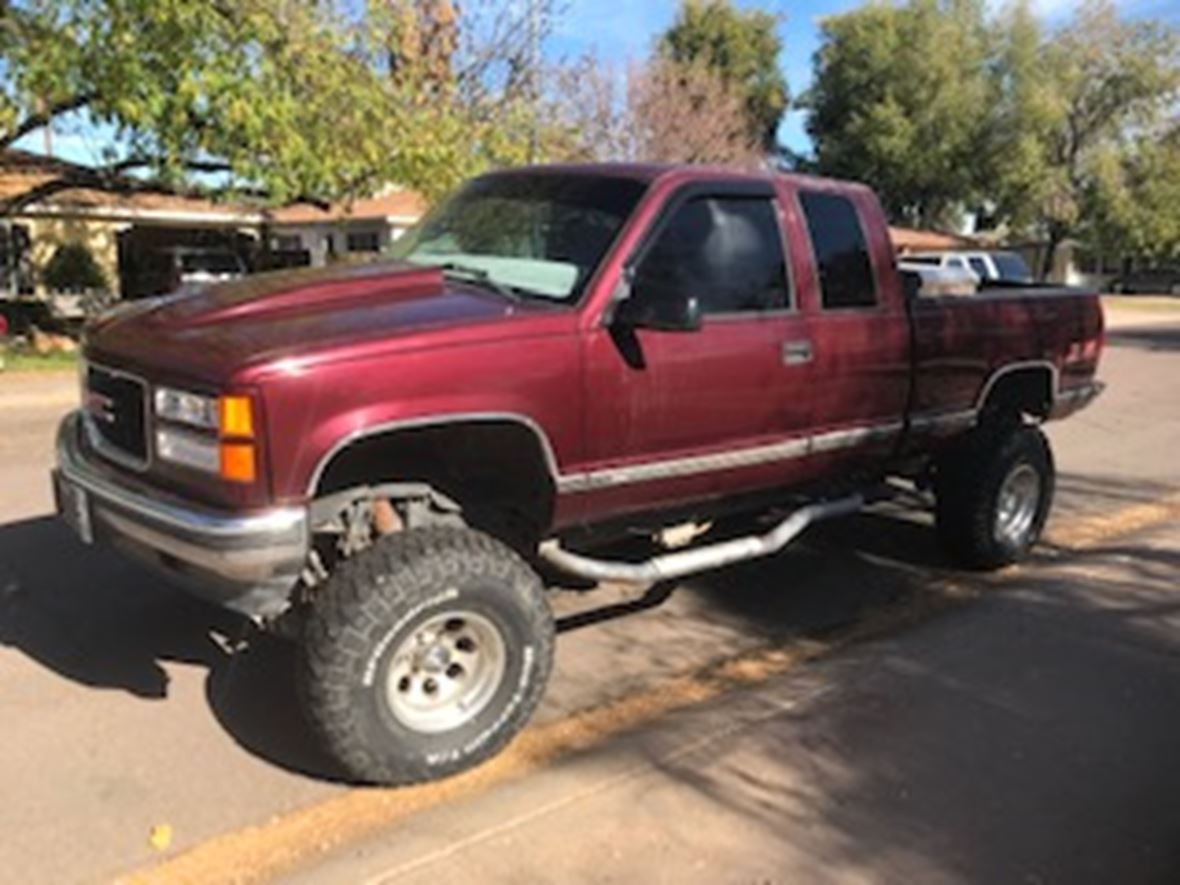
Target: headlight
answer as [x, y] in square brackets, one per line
[186, 408]
[190, 449]
[217, 436]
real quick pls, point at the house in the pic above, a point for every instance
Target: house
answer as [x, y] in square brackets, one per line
[139, 236]
[122, 229]
[361, 227]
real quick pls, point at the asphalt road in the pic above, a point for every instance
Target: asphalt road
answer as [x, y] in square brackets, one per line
[1028, 734]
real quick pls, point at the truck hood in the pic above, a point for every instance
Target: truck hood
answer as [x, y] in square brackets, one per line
[214, 332]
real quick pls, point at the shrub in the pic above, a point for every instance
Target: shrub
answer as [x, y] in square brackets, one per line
[73, 269]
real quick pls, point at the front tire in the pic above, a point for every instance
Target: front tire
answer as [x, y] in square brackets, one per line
[994, 491]
[424, 655]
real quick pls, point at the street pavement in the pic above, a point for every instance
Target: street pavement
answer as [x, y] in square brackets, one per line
[1025, 733]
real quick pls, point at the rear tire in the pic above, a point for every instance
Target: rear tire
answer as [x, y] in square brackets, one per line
[424, 655]
[994, 491]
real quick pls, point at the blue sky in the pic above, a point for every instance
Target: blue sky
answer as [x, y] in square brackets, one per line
[623, 30]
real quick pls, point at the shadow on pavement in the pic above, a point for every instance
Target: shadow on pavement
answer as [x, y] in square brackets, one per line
[98, 620]
[1032, 742]
[101, 621]
[95, 619]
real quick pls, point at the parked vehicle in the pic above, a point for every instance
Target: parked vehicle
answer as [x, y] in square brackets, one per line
[161, 270]
[384, 459]
[988, 267]
[1149, 281]
[934, 281]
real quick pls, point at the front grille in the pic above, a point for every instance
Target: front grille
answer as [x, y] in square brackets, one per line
[115, 405]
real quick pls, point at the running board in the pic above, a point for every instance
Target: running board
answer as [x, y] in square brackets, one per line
[687, 562]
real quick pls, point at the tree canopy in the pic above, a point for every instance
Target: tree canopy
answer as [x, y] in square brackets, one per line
[948, 110]
[289, 99]
[742, 46]
[901, 99]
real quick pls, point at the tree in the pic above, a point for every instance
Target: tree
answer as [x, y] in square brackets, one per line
[1134, 200]
[742, 47]
[901, 99]
[1082, 99]
[288, 99]
[659, 111]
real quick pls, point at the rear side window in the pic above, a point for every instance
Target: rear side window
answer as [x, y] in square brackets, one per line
[841, 254]
[725, 251]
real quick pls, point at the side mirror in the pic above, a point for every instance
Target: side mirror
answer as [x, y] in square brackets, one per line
[647, 310]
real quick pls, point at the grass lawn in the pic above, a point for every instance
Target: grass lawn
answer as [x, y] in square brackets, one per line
[25, 361]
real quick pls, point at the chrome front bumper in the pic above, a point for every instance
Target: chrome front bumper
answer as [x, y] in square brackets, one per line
[246, 562]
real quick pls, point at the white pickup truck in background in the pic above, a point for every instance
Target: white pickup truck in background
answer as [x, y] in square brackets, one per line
[988, 267]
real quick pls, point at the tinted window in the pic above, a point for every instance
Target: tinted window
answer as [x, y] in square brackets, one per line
[1012, 267]
[725, 251]
[980, 269]
[845, 272]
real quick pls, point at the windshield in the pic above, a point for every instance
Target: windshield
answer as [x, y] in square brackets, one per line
[1012, 267]
[536, 234]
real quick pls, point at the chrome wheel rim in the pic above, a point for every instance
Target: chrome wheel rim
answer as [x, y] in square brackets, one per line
[1017, 504]
[446, 672]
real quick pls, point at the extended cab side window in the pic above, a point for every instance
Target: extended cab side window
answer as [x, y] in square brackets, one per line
[841, 253]
[725, 251]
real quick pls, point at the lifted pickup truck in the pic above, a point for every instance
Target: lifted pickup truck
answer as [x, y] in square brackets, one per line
[388, 457]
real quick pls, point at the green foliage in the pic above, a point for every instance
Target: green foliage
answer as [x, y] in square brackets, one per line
[1134, 199]
[742, 46]
[946, 110]
[73, 269]
[293, 99]
[900, 99]
[1073, 106]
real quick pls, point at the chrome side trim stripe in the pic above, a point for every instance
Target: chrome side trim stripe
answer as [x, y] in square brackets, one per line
[800, 447]
[566, 483]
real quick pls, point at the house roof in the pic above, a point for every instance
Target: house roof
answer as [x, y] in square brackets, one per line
[392, 204]
[908, 239]
[22, 171]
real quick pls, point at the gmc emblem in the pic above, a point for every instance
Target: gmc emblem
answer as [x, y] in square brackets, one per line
[99, 406]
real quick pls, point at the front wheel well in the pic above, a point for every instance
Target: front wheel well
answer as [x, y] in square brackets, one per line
[497, 471]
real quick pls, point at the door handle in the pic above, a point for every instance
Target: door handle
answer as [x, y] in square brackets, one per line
[796, 353]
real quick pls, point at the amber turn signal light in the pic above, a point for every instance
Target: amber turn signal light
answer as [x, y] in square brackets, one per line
[237, 462]
[236, 416]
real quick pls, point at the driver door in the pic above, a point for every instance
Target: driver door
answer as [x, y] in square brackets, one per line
[668, 409]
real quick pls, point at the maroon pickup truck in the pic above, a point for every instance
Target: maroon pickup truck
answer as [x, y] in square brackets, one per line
[388, 458]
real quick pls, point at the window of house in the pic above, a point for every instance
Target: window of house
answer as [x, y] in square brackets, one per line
[841, 253]
[363, 241]
[725, 251]
[288, 243]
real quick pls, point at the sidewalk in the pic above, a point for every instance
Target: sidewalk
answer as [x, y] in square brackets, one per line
[1027, 738]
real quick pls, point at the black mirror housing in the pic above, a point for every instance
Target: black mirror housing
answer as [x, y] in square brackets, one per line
[658, 314]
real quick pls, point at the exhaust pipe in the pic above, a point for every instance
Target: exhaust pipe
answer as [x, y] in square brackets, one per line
[687, 562]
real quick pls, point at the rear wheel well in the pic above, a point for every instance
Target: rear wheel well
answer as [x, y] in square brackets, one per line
[496, 471]
[1025, 391]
